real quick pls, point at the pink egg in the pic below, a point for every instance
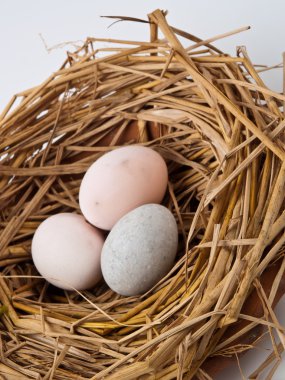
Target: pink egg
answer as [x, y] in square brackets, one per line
[120, 181]
[66, 250]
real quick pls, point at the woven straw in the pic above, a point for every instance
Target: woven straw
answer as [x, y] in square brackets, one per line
[221, 132]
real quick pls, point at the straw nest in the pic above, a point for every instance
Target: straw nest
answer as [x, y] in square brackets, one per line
[221, 132]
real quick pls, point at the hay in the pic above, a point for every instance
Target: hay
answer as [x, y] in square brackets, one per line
[221, 132]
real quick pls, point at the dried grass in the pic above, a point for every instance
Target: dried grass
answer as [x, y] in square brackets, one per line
[221, 132]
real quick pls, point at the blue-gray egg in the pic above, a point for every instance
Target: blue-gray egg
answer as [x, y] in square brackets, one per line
[140, 249]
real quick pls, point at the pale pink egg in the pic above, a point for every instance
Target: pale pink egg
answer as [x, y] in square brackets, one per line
[66, 250]
[120, 181]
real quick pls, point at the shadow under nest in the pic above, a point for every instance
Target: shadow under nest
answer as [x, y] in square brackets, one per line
[221, 132]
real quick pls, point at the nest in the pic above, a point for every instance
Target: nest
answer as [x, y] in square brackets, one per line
[221, 132]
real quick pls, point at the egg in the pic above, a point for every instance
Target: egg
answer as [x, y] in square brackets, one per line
[120, 181]
[139, 250]
[66, 251]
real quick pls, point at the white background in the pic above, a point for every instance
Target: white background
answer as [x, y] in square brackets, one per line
[25, 62]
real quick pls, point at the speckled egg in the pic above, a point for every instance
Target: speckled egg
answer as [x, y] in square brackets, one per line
[120, 181]
[140, 249]
[66, 251]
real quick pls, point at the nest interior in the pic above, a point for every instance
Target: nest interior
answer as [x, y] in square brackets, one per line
[221, 132]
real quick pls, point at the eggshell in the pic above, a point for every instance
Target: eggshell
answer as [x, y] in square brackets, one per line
[120, 181]
[140, 249]
[66, 251]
